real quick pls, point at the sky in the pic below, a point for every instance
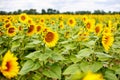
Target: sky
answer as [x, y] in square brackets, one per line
[61, 5]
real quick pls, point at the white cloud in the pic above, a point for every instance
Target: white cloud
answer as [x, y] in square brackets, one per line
[62, 5]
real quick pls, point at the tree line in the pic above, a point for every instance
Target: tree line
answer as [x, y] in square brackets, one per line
[54, 11]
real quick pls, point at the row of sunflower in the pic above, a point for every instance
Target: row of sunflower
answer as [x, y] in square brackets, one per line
[59, 47]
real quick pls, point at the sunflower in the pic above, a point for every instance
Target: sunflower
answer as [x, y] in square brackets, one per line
[67, 34]
[71, 22]
[7, 25]
[52, 22]
[61, 17]
[83, 36]
[106, 30]
[84, 18]
[39, 29]
[42, 21]
[107, 41]
[11, 31]
[29, 21]
[31, 29]
[51, 38]
[93, 76]
[98, 29]
[90, 24]
[61, 25]
[9, 67]
[23, 18]
[110, 24]
[45, 29]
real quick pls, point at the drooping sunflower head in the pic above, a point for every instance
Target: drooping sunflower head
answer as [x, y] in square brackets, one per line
[23, 18]
[9, 67]
[31, 29]
[71, 22]
[107, 41]
[11, 31]
[51, 38]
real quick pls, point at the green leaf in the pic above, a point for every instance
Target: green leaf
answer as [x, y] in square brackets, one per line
[90, 44]
[57, 57]
[36, 66]
[15, 45]
[96, 66]
[48, 52]
[29, 46]
[103, 56]
[77, 76]
[71, 69]
[18, 37]
[54, 71]
[34, 55]
[109, 75]
[2, 50]
[29, 66]
[37, 76]
[85, 66]
[1, 41]
[36, 42]
[84, 53]
[117, 71]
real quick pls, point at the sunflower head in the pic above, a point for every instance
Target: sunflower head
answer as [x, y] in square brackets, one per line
[31, 29]
[9, 67]
[39, 29]
[106, 30]
[11, 31]
[98, 29]
[83, 36]
[29, 21]
[61, 25]
[51, 38]
[90, 24]
[67, 34]
[84, 18]
[23, 18]
[42, 20]
[93, 76]
[71, 22]
[107, 41]
[7, 25]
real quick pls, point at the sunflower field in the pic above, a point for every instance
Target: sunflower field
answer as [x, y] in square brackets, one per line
[59, 47]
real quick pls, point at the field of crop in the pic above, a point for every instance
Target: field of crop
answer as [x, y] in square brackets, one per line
[59, 47]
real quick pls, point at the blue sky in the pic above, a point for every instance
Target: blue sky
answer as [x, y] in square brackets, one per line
[61, 5]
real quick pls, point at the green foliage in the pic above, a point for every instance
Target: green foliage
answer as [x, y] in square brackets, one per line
[53, 71]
